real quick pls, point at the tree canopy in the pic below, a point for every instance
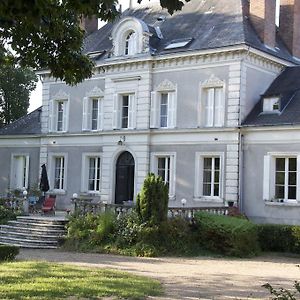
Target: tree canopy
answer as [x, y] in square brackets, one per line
[45, 34]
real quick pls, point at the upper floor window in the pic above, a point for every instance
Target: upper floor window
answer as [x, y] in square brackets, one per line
[92, 113]
[130, 43]
[271, 105]
[124, 111]
[59, 113]
[163, 108]
[213, 99]
[19, 171]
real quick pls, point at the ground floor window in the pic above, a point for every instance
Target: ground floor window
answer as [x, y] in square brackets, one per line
[58, 171]
[91, 173]
[19, 171]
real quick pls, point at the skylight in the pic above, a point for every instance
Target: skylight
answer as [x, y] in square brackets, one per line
[178, 44]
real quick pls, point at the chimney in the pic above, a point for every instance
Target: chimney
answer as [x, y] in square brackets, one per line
[89, 24]
[289, 25]
[262, 15]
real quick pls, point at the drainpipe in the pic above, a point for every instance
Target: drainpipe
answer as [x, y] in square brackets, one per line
[241, 170]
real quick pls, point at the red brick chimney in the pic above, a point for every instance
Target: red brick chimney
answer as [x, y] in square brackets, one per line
[89, 24]
[262, 15]
[289, 25]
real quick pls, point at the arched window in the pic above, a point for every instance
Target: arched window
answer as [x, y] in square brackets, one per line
[130, 44]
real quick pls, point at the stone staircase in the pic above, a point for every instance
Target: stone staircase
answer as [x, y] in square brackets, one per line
[33, 232]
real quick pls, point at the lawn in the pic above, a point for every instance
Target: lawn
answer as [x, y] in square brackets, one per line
[41, 280]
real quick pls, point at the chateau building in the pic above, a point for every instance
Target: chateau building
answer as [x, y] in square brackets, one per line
[207, 98]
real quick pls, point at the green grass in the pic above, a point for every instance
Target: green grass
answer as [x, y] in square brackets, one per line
[41, 280]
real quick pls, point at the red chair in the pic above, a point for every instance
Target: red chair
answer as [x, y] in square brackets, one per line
[49, 205]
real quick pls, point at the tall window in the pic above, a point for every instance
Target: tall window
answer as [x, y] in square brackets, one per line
[213, 106]
[286, 178]
[59, 172]
[19, 171]
[92, 113]
[211, 176]
[130, 44]
[60, 115]
[164, 110]
[125, 110]
[163, 168]
[94, 174]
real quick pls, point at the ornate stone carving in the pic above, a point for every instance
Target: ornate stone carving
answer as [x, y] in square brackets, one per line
[212, 81]
[95, 92]
[61, 95]
[166, 85]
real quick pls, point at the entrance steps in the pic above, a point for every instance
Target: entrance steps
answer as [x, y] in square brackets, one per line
[33, 232]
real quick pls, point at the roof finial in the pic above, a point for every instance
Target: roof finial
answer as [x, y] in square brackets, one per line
[130, 3]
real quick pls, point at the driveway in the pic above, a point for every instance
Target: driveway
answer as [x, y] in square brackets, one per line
[191, 278]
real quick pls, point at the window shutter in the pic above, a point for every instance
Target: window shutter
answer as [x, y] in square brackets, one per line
[84, 113]
[266, 179]
[116, 112]
[27, 170]
[154, 114]
[131, 112]
[298, 179]
[65, 116]
[51, 115]
[171, 110]
[219, 107]
[209, 107]
[100, 114]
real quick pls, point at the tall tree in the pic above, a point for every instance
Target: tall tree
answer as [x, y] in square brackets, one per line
[16, 83]
[45, 34]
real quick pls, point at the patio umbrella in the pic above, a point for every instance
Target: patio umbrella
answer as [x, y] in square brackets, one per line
[44, 183]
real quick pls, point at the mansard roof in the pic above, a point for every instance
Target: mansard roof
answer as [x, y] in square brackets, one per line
[287, 87]
[26, 125]
[209, 24]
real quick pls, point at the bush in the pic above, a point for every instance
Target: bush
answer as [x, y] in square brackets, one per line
[279, 238]
[6, 214]
[227, 235]
[152, 201]
[8, 252]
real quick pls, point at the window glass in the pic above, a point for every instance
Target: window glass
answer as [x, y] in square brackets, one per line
[60, 115]
[95, 107]
[125, 103]
[59, 172]
[164, 110]
[211, 176]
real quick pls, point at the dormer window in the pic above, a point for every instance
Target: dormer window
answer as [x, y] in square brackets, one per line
[130, 47]
[271, 105]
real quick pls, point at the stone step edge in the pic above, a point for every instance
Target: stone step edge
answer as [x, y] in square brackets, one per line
[36, 224]
[22, 245]
[37, 219]
[31, 235]
[35, 229]
[28, 240]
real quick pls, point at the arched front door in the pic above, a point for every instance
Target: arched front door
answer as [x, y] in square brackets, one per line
[124, 178]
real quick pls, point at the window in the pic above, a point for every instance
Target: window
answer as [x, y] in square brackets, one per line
[91, 173]
[213, 106]
[130, 44]
[163, 109]
[163, 164]
[59, 173]
[271, 105]
[92, 113]
[124, 112]
[58, 115]
[281, 180]
[19, 171]
[178, 44]
[208, 176]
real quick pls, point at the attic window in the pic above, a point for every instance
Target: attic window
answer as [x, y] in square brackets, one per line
[178, 44]
[271, 104]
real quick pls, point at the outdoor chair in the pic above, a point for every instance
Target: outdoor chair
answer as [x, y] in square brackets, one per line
[49, 205]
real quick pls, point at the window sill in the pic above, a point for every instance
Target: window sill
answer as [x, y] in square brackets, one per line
[289, 204]
[90, 193]
[207, 199]
[57, 192]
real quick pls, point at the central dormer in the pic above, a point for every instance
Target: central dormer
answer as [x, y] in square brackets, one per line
[130, 37]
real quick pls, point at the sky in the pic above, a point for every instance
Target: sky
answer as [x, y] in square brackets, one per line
[36, 95]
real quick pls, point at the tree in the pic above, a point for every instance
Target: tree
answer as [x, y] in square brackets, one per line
[45, 34]
[16, 84]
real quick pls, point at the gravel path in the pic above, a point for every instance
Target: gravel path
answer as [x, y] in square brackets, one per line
[191, 278]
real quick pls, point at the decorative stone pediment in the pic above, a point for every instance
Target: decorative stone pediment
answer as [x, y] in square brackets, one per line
[61, 95]
[212, 81]
[166, 85]
[95, 92]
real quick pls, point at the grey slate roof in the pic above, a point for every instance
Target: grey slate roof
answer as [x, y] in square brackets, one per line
[27, 125]
[211, 24]
[287, 87]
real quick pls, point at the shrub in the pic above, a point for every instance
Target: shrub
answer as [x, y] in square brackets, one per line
[8, 252]
[279, 238]
[152, 201]
[6, 214]
[227, 235]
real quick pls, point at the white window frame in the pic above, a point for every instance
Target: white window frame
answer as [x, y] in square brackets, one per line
[154, 169]
[85, 172]
[270, 172]
[268, 105]
[130, 43]
[165, 87]
[51, 163]
[14, 182]
[87, 121]
[53, 112]
[198, 185]
[117, 110]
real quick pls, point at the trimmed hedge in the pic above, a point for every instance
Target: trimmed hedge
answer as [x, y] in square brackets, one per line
[227, 235]
[279, 238]
[8, 252]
